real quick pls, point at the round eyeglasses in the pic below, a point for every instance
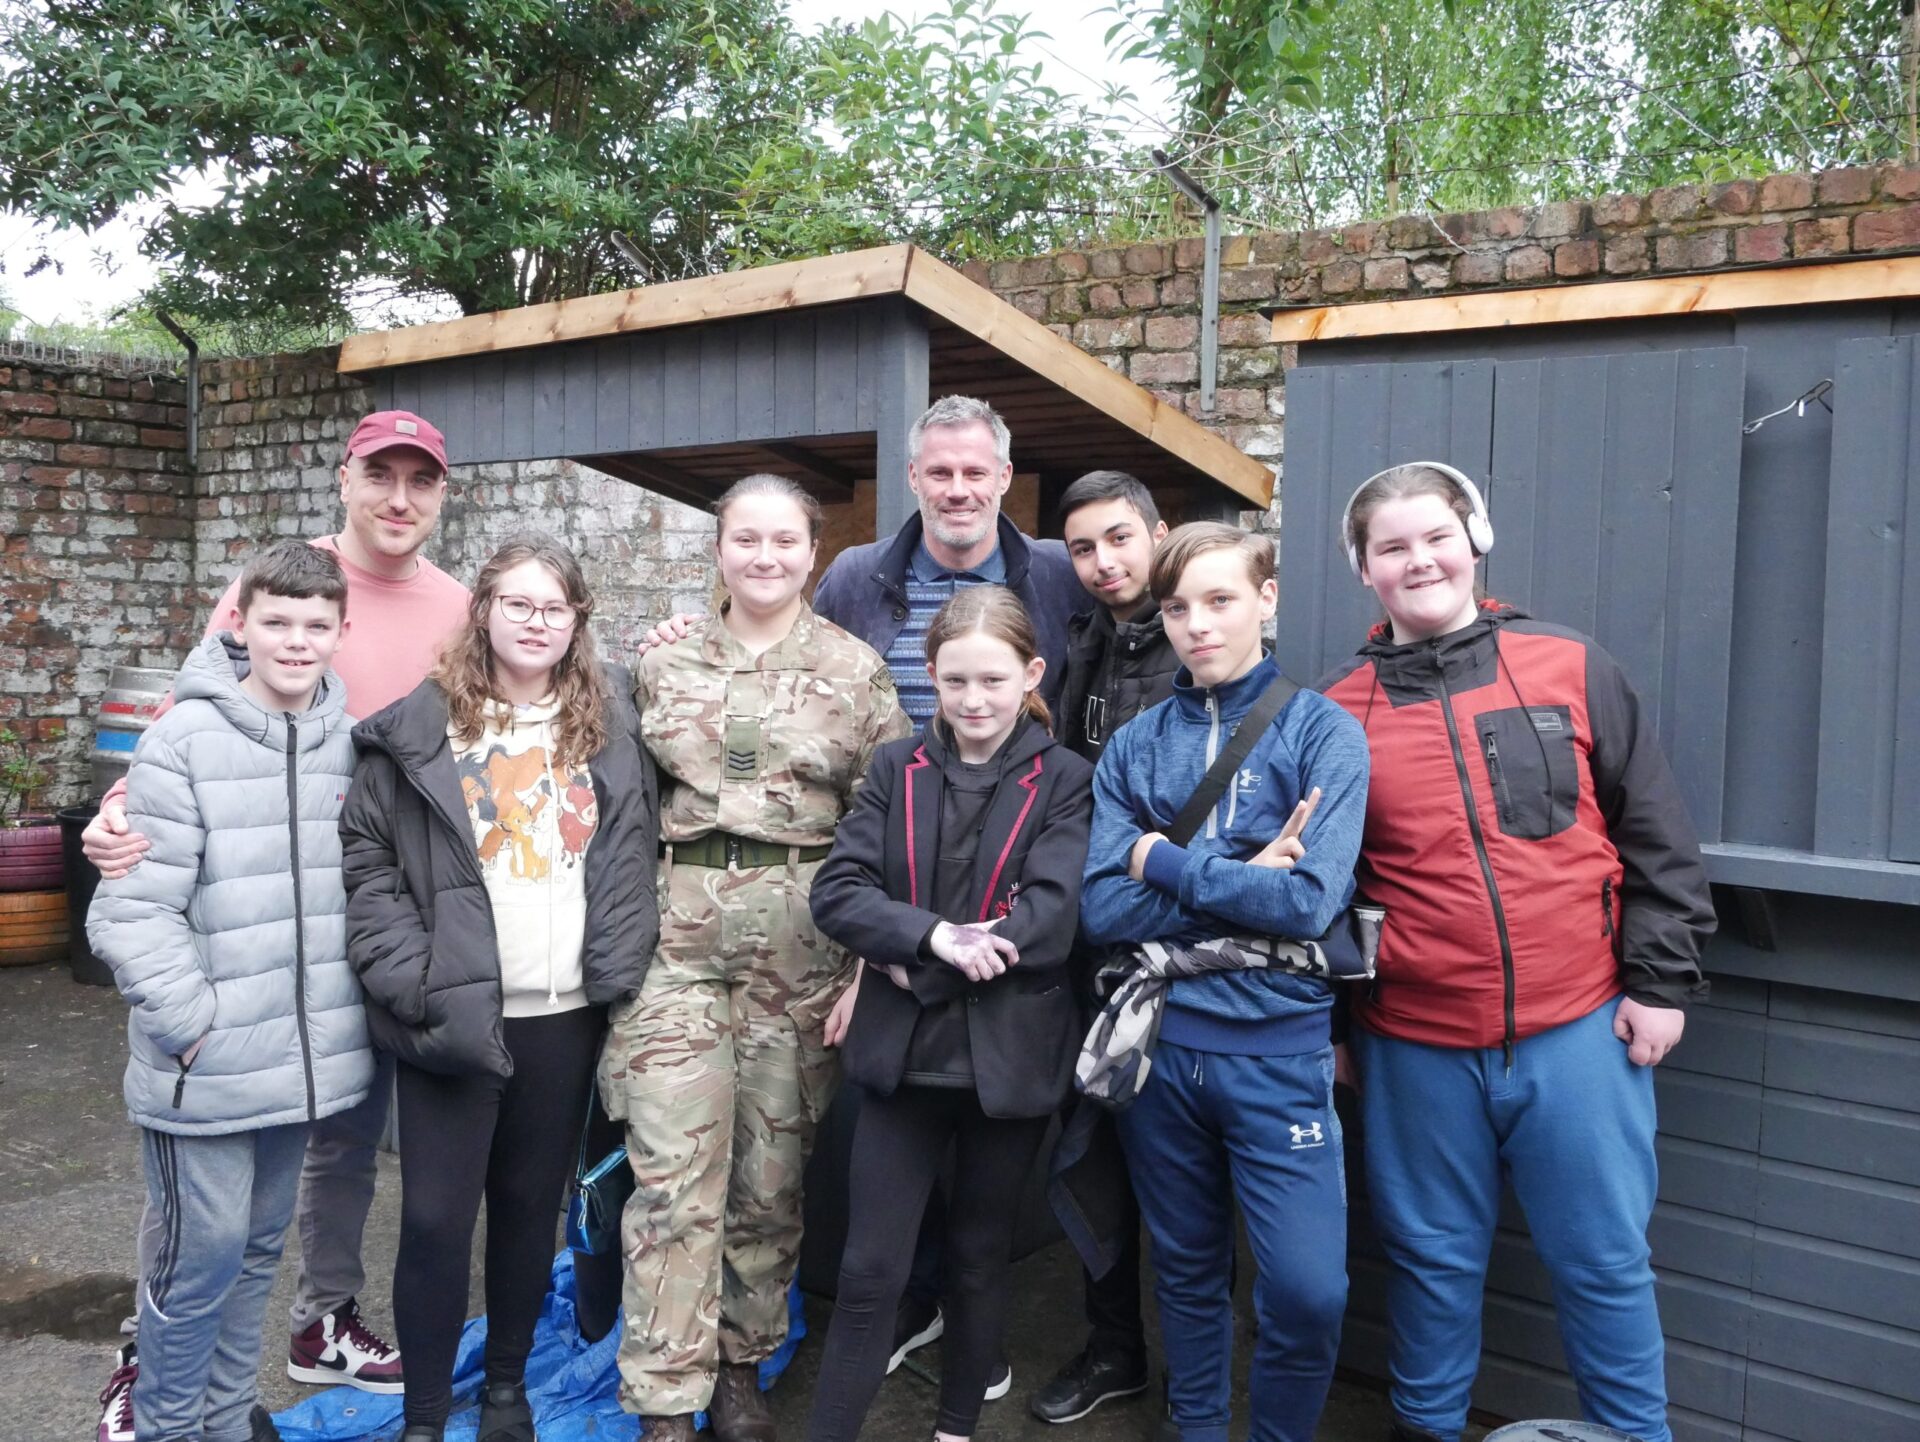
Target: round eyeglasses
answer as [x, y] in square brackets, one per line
[518, 609]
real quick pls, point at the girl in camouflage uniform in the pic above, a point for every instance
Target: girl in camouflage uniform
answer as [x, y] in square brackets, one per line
[762, 720]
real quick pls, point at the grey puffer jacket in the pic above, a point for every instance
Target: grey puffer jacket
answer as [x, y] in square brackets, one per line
[233, 925]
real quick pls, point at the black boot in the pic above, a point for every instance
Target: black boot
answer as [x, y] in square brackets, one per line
[1088, 1380]
[1405, 1431]
[504, 1413]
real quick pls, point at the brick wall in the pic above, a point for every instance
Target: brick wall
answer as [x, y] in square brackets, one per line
[96, 511]
[112, 554]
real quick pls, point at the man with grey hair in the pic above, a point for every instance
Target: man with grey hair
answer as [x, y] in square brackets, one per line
[886, 592]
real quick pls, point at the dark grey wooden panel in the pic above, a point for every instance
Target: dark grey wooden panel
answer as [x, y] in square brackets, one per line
[1689, 1242]
[1826, 1061]
[1861, 1212]
[516, 422]
[836, 371]
[406, 389]
[1845, 1137]
[1867, 1355]
[579, 426]
[1708, 1109]
[1721, 1043]
[867, 373]
[901, 397]
[1712, 1179]
[488, 436]
[681, 364]
[612, 394]
[549, 403]
[1854, 1281]
[719, 383]
[793, 374]
[1808, 1409]
[1876, 466]
[646, 398]
[454, 407]
[754, 411]
[1879, 1015]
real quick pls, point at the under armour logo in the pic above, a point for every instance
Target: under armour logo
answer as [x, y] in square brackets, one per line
[1248, 780]
[1308, 1136]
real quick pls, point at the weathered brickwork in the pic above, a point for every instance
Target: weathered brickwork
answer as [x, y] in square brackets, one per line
[114, 552]
[96, 511]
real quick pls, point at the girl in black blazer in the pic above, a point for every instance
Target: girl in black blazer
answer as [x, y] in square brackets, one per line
[956, 876]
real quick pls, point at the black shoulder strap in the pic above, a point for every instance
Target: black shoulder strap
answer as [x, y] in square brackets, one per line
[1214, 784]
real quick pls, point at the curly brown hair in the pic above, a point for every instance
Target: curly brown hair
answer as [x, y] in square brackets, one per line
[465, 669]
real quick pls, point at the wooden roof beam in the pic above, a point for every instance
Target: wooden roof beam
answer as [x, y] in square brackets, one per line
[1727, 290]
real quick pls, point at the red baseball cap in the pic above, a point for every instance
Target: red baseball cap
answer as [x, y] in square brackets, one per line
[384, 430]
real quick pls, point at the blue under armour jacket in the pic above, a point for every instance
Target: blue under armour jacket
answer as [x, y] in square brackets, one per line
[1206, 888]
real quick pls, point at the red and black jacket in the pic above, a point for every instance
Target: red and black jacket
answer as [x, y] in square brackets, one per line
[1523, 831]
[875, 895]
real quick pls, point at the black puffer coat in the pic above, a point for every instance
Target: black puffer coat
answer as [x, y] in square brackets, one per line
[419, 919]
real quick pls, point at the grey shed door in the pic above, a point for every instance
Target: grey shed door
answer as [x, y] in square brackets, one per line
[1869, 779]
[1613, 482]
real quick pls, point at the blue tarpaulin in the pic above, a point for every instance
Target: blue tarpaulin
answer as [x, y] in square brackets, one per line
[573, 1385]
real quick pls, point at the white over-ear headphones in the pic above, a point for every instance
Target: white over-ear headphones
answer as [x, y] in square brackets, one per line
[1479, 527]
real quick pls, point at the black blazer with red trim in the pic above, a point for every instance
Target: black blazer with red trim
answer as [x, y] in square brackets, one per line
[874, 895]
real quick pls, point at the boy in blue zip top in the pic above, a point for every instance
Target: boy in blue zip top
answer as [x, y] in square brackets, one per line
[1238, 1104]
[229, 943]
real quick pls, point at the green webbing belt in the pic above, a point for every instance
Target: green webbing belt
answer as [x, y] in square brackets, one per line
[723, 848]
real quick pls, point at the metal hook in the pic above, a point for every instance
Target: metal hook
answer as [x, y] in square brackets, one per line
[1799, 406]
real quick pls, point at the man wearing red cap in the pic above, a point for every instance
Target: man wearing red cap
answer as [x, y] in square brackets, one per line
[392, 484]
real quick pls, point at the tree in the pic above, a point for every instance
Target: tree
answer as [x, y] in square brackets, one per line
[942, 134]
[1338, 109]
[477, 151]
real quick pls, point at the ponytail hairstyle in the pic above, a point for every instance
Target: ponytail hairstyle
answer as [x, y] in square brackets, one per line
[997, 612]
[464, 671]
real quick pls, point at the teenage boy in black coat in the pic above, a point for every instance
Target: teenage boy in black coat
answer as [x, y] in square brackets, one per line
[1119, 662]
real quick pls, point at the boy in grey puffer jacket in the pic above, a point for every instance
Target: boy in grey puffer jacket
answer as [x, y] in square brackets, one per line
[230, 944]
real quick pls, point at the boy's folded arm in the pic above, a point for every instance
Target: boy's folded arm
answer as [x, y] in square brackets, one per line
[1114, 908]
[138, 922]
[1303, 901]
[387, 942]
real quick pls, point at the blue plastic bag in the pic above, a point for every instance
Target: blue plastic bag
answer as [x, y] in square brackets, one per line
[573, 1385]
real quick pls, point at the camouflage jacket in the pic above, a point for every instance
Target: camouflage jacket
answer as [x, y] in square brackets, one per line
[770, 747]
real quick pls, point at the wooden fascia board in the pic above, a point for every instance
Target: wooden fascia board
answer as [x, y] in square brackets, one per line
[978, 311]
[1606, 300]
[762, 289]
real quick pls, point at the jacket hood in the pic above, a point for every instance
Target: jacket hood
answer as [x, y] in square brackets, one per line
[213, 672]
[1381, 646]
[891, 571]
[1027, 740]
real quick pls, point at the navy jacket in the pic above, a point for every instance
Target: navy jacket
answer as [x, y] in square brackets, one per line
[1205, 888]
[865, 592]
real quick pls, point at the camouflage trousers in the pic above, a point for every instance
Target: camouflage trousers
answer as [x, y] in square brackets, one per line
[721, 1076]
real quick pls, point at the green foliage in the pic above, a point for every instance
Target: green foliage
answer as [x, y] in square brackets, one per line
[19, 778]
[1373, 107]
[293, 157]
[938, 133]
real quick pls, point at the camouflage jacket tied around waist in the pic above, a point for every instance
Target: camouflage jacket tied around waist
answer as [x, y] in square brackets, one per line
[772, 746]
[1117, 1055]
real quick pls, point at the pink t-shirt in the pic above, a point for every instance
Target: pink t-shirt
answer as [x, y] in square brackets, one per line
[397, 629]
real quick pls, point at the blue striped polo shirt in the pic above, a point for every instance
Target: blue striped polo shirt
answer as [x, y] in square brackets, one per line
[930, 586]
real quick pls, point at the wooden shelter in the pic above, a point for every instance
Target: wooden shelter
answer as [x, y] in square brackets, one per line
[813, 369]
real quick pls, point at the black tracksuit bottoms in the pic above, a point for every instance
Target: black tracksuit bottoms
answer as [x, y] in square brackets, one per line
[899, 1146]
[511, 1140]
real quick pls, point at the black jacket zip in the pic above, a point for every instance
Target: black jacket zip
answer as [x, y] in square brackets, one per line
[299, 912]
[1502, 800]
[1486, 862]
